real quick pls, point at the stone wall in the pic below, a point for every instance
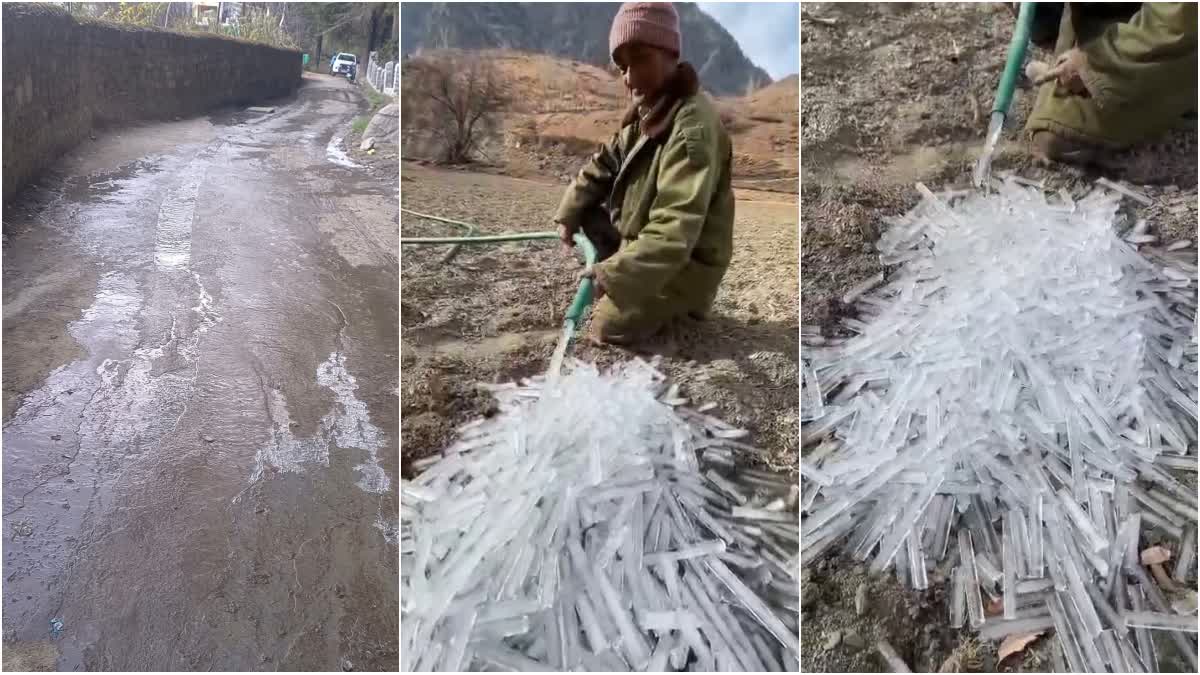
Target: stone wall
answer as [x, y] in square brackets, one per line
[63, 77]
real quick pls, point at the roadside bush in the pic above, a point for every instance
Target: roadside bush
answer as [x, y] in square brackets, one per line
[254, 24]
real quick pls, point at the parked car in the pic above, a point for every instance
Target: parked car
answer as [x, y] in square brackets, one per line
[343, 63]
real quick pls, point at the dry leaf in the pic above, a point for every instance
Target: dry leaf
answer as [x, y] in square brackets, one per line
[993, 607]
[952, 664]
[1015, 643]
[1156, 555]
[1160, 575]
[1185, 603]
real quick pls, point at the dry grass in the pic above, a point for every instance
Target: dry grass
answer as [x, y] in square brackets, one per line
[561, 110]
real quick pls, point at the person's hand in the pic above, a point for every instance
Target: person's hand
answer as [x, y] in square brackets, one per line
[597, 278]
[566, 234]
[1067, 70]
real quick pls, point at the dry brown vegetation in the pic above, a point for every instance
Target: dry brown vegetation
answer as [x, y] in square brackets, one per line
[456, 99]
[494, 313]
[560, 110]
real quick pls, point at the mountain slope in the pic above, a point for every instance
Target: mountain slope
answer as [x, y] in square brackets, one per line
[577, 31]
[559, 110]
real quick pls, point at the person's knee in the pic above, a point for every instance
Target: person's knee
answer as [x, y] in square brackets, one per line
[623, 326]
[604, 333]
[609, 325]
[1052, 147]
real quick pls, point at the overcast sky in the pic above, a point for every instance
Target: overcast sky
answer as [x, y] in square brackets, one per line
[767, 32]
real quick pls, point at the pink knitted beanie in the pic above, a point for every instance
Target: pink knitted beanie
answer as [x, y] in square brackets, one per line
[650, 23]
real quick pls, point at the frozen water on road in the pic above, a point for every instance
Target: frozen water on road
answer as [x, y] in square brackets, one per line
[338, 156]
[168, 334]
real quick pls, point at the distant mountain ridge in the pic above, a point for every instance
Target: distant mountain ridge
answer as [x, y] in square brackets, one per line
[577, 31]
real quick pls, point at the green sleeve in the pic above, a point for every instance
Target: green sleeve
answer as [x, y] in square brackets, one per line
[686, 179]
[592, 185]
[1154, 51]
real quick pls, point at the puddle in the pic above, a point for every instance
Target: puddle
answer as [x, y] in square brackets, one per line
[351, 425]
[70, 438]
[285, 453]
[110, 321]
[173, 235]
[389, 528]
[119, 465]
[348, 427]
[51, 469]
[335, 154]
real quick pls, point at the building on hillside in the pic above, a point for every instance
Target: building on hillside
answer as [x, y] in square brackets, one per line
[208, 13]
[205, 13]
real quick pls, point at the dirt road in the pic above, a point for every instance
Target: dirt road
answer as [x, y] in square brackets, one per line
[200, 462]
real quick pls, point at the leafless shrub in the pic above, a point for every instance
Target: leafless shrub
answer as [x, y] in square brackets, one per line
[456, 98]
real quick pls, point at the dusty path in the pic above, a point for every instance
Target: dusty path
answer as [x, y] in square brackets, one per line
[200, 461]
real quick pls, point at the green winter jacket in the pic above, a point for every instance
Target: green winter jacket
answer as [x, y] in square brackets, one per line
[666, 184]
[1140, 73]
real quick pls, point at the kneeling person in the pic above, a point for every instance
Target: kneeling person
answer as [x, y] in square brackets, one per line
[656, 199]
[1124, 74]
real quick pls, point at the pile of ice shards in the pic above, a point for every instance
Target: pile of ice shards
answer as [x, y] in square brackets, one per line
[597, 523]
[1011, 408]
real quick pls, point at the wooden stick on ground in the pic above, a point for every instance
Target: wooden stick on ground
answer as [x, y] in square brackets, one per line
[806, 16]
[894, 662]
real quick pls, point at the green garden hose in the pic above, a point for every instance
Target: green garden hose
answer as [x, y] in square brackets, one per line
[470, 231]
[1004, 93]
[485, 239]
[583, 296]
[1016, 57]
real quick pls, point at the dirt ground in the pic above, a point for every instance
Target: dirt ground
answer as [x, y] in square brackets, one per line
[898, 93]
[894, 94]
[494, 313]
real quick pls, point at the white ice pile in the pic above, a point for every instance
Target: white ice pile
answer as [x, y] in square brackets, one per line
[1011, 408]
[598, 524]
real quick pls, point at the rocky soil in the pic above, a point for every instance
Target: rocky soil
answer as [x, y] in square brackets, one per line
[894, 94]
[494, 313]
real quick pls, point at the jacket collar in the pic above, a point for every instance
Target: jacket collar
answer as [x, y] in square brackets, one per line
[657, 122]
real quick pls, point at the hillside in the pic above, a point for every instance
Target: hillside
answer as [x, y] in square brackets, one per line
[576, 31]
[560, 110]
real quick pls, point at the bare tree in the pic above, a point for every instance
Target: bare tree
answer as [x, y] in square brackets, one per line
[455, 97]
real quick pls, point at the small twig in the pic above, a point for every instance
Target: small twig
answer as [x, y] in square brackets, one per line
[894, 662]
[806, 16]
[1160, 575]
